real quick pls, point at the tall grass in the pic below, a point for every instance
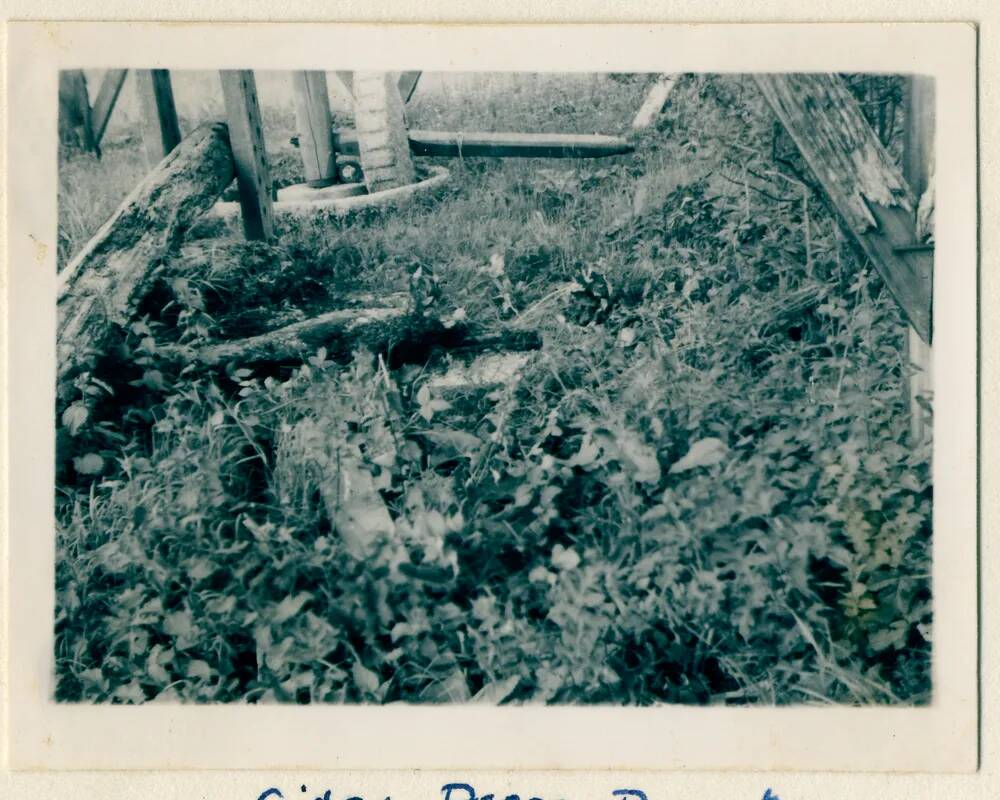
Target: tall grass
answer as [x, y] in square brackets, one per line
[686, 497]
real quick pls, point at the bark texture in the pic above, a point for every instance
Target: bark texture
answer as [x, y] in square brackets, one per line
[103, 284]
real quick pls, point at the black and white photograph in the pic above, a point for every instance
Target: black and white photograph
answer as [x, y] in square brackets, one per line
[509, 399]
[501, 388]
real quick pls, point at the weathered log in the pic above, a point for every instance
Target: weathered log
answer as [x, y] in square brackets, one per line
[104, 283]
[339, 331]
[473, 144]
[860, 180]
[380, 328]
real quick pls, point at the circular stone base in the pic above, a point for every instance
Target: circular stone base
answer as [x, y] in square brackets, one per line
[340, 199]
[302, 192]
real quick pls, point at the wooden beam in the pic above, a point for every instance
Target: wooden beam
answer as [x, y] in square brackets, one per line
[75, 119]
[103, 284]
[656, 100]
[859, 179]
[918, 169]
[107, 95]
[161, 132]
[312, 115]
[239, 89]
[408, 84]
[473, 144]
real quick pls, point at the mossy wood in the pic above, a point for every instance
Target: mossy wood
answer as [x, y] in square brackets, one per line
[860, 179]
[102, 286]
[385, 328]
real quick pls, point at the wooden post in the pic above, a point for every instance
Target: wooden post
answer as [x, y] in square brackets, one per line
[346, 79]
[247, 137]
[861, 181]
[101, 287]
[75, 122]
[312, 115]
[160, 131]
[107, 95]
[918, 168]
[656, 99]
[408, 85]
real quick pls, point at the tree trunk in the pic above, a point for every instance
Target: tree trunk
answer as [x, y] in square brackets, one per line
[860, 180]
[104, 283]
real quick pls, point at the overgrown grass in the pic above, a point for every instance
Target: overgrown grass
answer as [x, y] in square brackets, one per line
[701, 490]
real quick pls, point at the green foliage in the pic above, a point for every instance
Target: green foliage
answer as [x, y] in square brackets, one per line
[700, 490]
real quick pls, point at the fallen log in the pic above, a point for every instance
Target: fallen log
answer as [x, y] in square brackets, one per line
[385, 328]
[102, 286]
[473, 144]
[860, 180]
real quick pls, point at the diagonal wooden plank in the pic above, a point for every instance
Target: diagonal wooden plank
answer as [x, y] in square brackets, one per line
[859, 179]
[104, 104]
[408, 84]
[656, 99]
